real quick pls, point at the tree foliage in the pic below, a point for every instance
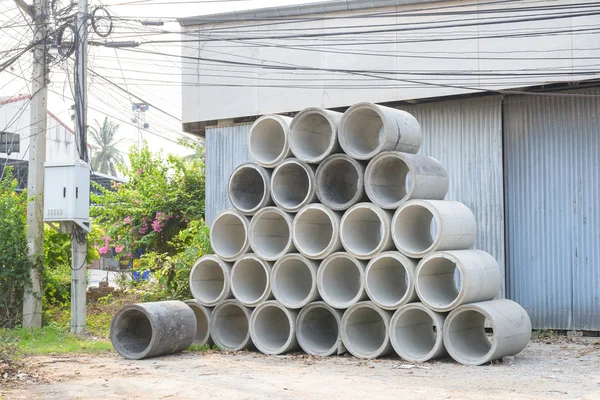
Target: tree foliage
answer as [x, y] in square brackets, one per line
[107, 157]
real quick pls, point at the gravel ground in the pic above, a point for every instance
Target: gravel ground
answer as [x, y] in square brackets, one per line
[560, 369]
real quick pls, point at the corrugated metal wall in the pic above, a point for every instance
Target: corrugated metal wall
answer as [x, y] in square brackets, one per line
[552, 197]
[226, 148]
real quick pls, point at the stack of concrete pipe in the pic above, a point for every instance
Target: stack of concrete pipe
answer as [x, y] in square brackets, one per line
[340, 239]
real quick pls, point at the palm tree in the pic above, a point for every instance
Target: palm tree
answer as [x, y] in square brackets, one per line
[107, 156]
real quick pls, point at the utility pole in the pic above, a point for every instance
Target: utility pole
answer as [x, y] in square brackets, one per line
[32, 302]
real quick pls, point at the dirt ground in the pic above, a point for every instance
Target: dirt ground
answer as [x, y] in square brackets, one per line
[553, 370]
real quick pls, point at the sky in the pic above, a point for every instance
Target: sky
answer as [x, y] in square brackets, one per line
[153, 79]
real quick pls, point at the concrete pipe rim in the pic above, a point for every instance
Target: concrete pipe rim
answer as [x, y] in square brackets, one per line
[207, 295]
[410, 244]
[308, 179]
[408, 174]
[302, 295]
[281, 140]
[324, 281]
[481, 340]
[249, 206]
[219, 339]
[255, 320]
[257, 247]
[351, 344]
[421, 356]
[257, 296]
[298, 142]
[221, 240]
[303, 242]
[306, 340]
[364, 248]
[361, 111]
[448, 297]
[202, 327]
[392, 302]
[137, 312]
[324, 180]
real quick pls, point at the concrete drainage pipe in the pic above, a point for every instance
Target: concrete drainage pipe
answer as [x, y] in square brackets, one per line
[365, 330]
[293, 185]
[313, 134]
[146, 330]
[202, 314]
[365, 230]
[390, 280]
[210, 280]
[250, 280]
[318, 330]
[416, 333]
[340, 182]
[273, 328]
[268, 140]
[392, 178]
[316, 231]
[229, 326]
[229, 235]
[340, 280]
[468, 343]
[420, 227]
[447, 279]
[271, 233]
[294, 281]
[248, 188]
[367, 129]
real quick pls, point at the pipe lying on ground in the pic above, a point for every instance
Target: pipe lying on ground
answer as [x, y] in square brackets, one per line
[367, 129]
[465, 337]
[318, 330]
[392, 178]
[365, 230]
[420, 227]
[271, 233]
[146, 330]
[365, 330]
[313, 134]
[273, 328]
[249, 188]
[293, 185]
[447, 279]
[202, 314]
[229, 235]
[294, 281]
[268, 140]
[316, 231]
[340, 182]
[229, 326]
[416, 333]
[250, 280]
[210, 280]
[390, 280]
[340, 280]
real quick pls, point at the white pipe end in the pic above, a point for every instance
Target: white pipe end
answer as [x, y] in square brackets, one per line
[250, 280]
[340, 279]
[210, 280]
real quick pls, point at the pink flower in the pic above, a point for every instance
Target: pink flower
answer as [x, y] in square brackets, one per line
[140, 171]
[119, 248]
[127, 219]
[129, 255]
[103, 250]
[157, 225]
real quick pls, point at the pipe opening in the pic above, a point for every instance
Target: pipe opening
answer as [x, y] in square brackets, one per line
[468, 337]
[390, 180]
[365, 330]
[440, 282]
[415, 229]
[342, 282]
[293, 282]
[338, 182]
[313, 231]
[247, 188]
[249, 281]
[415, 334]
[319, 330]
[267, 141]
[363, 130]
[270, 234]
[207, 281]
[202, 329]
[133, 332]
[362, 231]
[272, 329]
[228, 235]
[311, 136]
[230, 326]
[290, 185]
[387, 281]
